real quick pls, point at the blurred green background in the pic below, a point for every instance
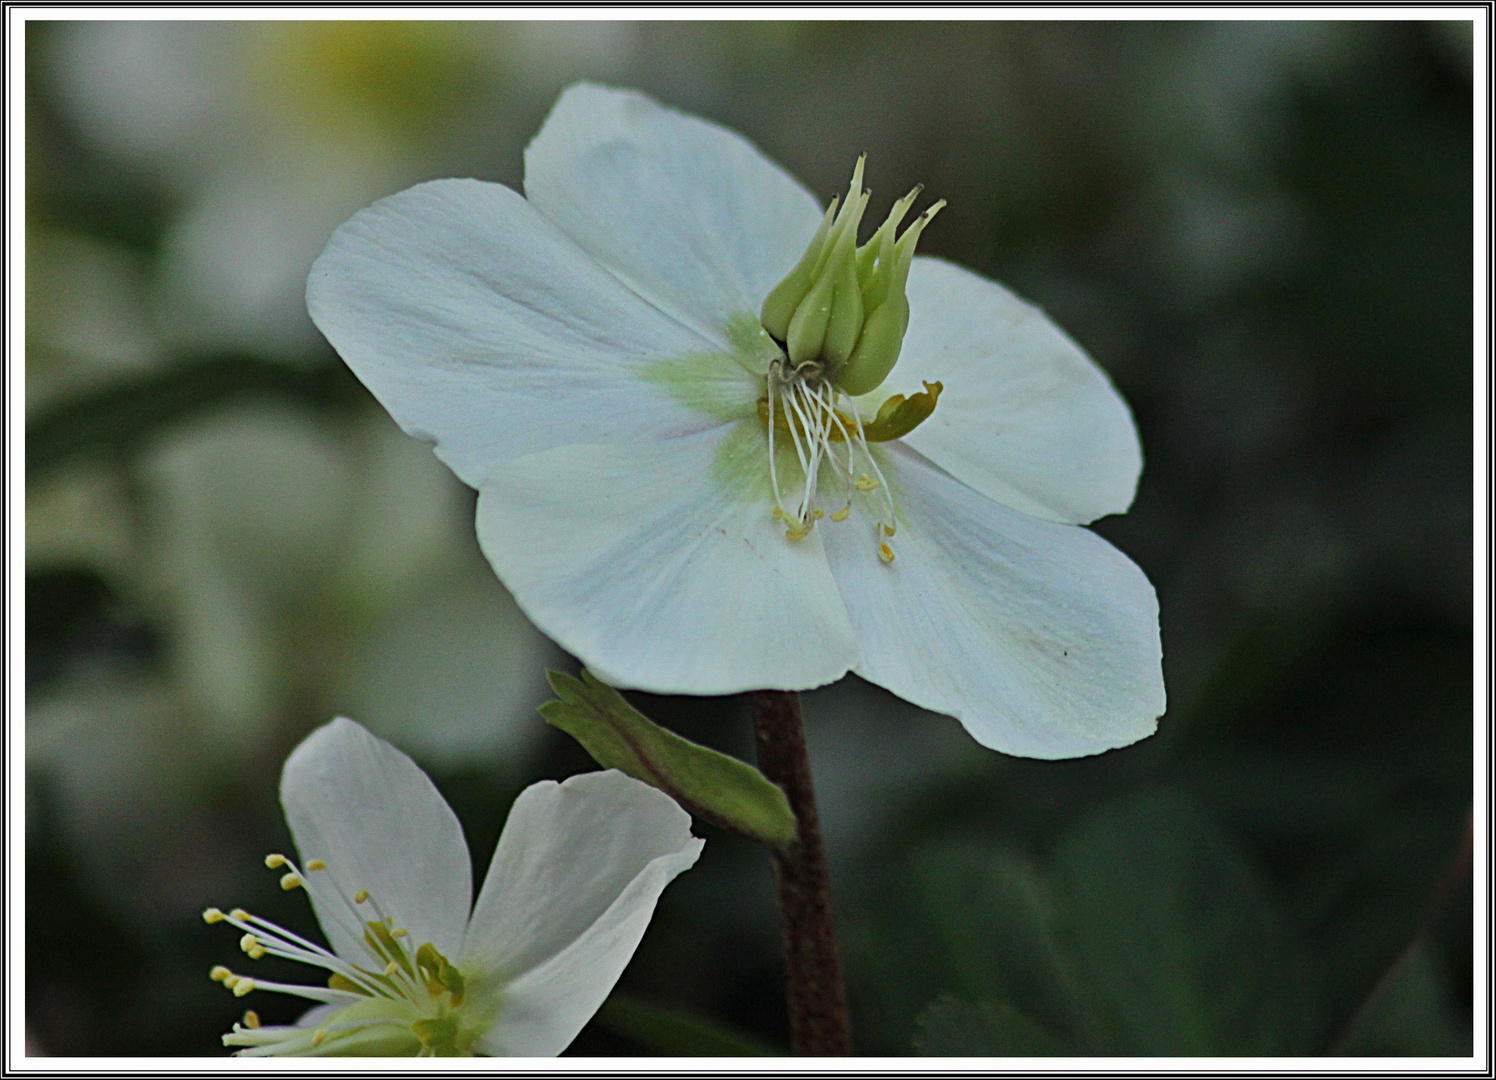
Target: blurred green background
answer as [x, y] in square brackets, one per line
[1261, 230]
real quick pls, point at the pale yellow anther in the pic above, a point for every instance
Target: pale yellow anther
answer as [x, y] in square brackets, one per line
[360, 896]
[885, 553]
[797, 532]
[220, 973]
[251, 1018]
[242, 986]
[777, 513]
[889, 530]
[316, 864]
[865, 482]
[399, 931]
[240, 914]
[248, 942]
[819, 513]
[317, 1038]
[275, 862]
[841, 515]
[213, 915]
[291, 881]
[392, 967]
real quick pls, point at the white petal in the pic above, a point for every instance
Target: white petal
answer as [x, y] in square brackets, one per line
[1026, 417]
[692, 216]
[1042, 639]
[660, 566]
[569, 894]
[374, 817]
[479, 326]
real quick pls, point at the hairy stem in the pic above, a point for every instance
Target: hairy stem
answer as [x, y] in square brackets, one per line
[817, 999]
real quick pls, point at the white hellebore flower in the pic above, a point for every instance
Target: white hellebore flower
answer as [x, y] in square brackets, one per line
[660, 362]
[411, 972]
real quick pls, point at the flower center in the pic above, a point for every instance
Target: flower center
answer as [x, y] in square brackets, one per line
[400, 1002]
[843, 307]
[839, 318]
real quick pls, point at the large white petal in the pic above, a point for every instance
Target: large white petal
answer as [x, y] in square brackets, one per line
[481, 327]
[660, 566]
[374, 817]
[569, 894]
[692, 216]
[1026, 417]
[1042, 639]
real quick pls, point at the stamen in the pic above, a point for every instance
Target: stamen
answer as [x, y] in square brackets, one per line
[360, 896]
[841, 515]
[291, 881]
[885, 553]
[316, 864]
[275, 862]
[242, 986]
[866, 483]
[219, 973]
[251, 1018]
[213, 915]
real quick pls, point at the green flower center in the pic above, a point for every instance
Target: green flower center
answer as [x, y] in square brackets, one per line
[839, 319]
[400, 1002]
[842, 309]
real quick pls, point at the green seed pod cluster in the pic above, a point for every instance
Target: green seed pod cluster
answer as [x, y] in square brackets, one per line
[843, 306]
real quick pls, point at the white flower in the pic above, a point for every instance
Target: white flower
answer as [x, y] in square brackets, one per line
[411, 972]
[590, 357]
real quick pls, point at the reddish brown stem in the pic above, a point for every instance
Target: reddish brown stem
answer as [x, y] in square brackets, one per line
[817, 999]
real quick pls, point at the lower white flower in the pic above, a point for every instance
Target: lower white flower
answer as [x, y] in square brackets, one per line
[411, 972]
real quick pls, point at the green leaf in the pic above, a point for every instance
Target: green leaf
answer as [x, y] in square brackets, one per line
[951, 1027]
[1176, 940]
[713, 786]
[671, 1031]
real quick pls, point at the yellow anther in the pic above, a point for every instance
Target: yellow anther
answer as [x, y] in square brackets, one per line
[275, 862]
[248, 942]
[319, 1036]
[360, 896]
[778, 513]
[392, 967]
[213, 915]
[251, 1018]
[819, 513]
[885, 553]
[889, 530]
[866, 483]
[220, 973]
[399, 931]
[841, 515]
[797, 532]
[316, 864]
[240, 914]
[242, 986]
[291, 881]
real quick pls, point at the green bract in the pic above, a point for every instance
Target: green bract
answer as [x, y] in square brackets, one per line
[843, 306]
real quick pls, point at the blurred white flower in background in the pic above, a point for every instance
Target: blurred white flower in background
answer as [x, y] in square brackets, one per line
[416, 969]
